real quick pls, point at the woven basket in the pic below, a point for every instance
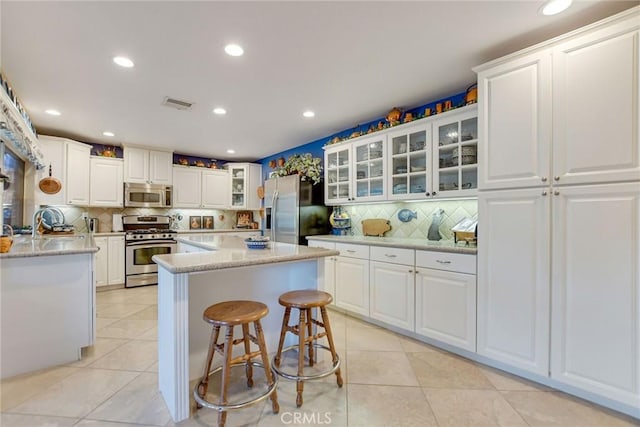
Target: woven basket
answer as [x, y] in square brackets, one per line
[5, 244]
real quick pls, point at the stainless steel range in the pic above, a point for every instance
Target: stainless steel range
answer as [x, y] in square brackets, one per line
[145, 237]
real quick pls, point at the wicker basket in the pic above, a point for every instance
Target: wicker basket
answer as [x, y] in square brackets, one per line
[5, 244]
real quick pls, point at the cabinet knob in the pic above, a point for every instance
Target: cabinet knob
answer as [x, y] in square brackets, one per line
[427, 194]
[556, 178]
[543, 179]
[410, 271]
[556, 193]
[434, 193]
[544, 192]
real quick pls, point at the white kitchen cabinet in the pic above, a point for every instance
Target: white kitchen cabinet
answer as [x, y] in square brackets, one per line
[54, 150]
[116, 260]
[215, 189]
[352, 278]
[410, 155]
[102, 260]
[369, 169]
[77, 174]
[513, 277]
[147, 166]
[446, 298]
[515, 122]
[595, 317]
[109, 260]
[187, 187]
[337, 177]
[245, 178]
[106, 182]
[327, 279]
[392, 287]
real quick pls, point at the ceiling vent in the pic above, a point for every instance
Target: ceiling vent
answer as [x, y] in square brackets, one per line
[177, 104]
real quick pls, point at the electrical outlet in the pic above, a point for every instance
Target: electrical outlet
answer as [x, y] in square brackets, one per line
[85, 215]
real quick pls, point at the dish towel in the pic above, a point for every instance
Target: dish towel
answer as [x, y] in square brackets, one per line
[434, 228]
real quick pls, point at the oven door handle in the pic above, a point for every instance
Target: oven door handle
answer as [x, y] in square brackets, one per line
[151, 243]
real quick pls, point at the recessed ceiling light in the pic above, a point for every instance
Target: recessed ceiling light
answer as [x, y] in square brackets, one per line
[234, 50]
[552, 7]
[107, 133]
[309, 113]
[230, 151]
[219, 111]
[53, 112]
[123, 61]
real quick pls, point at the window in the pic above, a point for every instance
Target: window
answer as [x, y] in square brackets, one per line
[13, 196]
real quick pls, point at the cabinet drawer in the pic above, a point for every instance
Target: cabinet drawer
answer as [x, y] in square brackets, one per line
[353, 251]
[461, 263]
[393, 255]
[321, 244]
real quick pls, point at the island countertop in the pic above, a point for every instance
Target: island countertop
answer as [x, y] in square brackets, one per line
[50, 245]
[399, 242]
[224, 251]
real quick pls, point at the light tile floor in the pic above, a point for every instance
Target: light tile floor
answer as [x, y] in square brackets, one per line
[390, 380]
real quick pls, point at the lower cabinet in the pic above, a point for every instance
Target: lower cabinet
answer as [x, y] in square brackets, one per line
[109, 260]
[326, 277]
[352, 278]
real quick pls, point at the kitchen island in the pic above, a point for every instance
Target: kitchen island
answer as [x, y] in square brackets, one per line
[224, 269]
[47, 293]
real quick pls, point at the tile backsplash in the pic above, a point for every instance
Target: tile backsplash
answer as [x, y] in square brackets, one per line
[417, 228]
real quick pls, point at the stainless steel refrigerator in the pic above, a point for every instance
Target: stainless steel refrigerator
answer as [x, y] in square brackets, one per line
[294, 209]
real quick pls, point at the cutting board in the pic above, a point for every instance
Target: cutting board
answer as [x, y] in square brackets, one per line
[375, 227]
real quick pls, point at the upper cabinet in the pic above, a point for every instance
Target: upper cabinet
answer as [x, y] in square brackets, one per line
[148, 166]
[106, 182]
[562, 114]
[195, 187]
[78, 169]
[435, 157]
[245, 178]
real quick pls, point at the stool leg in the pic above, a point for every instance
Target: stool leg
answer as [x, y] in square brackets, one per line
[301, 342]
[309, 335]
[204, 382]
[226, 370]
[283, 332]
[267, 368]
[332, 347]
[247, 351]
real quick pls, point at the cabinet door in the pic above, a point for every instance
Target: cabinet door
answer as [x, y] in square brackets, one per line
[514, 121]
[409, 171]
[187, 187]
[136, 165]
[215, 189]
[106, 182]
[116, 260]
[78, 171]
[446, 307]
[392, 294]
[327, 281]
[455, 154]
[595, 107]
[596, 290]
[337, 175]
[369, 169]
[352, 284]
[238, 178]
[55, 151]
[513, 278]
[102, 261]
[160, 167]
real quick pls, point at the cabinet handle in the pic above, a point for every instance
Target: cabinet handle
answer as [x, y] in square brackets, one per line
[351, 251]
[544, 179]
[390, 255]
[556, 193]
[544, 192]
[443, 262]
[410, 271]
[556, 178]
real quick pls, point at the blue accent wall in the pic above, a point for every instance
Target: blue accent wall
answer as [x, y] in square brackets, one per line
[315, 147]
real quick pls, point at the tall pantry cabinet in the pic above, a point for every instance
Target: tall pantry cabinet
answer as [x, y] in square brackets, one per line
[559, 210]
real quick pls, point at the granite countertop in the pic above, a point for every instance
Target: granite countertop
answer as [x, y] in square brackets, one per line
[220, 230]
[24, 246]
[225, 251]
[399, 242]
[109, 233]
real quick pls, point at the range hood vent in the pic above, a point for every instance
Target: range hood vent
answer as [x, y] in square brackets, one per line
[177, 104]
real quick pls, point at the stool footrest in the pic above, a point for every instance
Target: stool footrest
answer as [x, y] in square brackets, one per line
[229, 406]
[334, 367]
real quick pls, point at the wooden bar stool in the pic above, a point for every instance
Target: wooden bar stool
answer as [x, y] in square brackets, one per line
[230, 314]
[304, 301]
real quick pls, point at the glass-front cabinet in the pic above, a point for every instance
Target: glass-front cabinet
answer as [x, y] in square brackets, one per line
[369, 169]
[337, 161]
[410, 162]
[455, 141]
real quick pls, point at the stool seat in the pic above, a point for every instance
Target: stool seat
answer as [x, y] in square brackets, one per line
[230, 313]
[307, 298]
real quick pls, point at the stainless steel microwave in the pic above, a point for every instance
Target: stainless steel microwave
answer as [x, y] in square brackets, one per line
[147, 195]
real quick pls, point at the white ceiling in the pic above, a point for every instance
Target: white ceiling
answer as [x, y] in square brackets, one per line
[350, 62]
